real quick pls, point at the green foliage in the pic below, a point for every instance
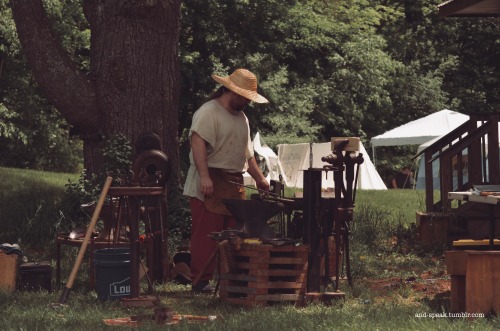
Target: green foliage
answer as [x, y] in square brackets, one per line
[329, 69]
[474, 80]
[461, 52]
[32, 133]
[372, 225]
[385, 236]
[179, 218]
[336, 68]
[7, 128]
[83, 191]
[117, 154]
[70, 25]
[392, 159]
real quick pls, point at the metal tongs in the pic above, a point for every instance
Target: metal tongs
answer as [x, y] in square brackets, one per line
[266, 195]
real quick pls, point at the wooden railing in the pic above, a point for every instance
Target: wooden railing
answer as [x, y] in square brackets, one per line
[464, 160]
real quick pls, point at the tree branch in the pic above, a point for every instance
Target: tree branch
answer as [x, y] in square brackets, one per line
[62, 83]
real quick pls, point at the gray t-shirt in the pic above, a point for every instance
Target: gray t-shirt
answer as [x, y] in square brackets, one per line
[228, 138]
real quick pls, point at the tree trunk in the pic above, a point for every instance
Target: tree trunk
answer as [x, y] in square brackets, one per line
[134, 80]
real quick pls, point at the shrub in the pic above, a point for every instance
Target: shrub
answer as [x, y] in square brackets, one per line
[116, 152]
[378, 236]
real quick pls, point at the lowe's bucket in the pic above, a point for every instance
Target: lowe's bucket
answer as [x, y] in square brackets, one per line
[112, 273]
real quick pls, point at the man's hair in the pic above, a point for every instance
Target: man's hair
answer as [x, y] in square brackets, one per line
[217, 93]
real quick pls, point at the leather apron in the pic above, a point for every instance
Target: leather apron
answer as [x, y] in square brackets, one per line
[223, 189]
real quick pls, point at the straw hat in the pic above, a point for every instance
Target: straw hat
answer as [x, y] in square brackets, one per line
[244, 83]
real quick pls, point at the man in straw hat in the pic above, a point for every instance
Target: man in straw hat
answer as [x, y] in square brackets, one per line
[220, 151]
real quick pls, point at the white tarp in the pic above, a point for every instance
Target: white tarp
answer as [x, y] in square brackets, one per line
[270, 158]
[421, 130]
[294, 158]
[267, 155]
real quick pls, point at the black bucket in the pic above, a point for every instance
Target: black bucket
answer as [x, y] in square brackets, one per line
[112, 273]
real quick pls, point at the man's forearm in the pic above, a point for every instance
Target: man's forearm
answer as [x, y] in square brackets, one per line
[254, 170]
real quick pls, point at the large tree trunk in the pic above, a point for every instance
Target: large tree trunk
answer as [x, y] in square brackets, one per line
[134, 79]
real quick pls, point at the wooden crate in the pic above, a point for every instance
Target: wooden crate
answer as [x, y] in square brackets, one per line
[474, 281]
[8, 271]
[265, 274]
[481, 282]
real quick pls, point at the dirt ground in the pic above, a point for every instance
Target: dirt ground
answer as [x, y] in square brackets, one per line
[427, 286]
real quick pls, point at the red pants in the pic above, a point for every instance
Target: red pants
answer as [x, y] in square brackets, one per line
[202, 246]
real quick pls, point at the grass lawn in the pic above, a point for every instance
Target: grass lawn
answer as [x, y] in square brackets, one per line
[394, 283]
[394, 310]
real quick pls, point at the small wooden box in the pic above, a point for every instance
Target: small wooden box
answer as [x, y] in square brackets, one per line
[265, 274]
[8, 271]
[352, 145]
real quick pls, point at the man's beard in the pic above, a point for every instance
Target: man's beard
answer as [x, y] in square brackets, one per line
[238, 108]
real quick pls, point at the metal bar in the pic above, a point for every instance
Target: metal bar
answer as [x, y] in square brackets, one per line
[254, 188]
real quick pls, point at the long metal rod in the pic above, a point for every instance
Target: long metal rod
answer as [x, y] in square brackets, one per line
[254, 188]
[276, 197]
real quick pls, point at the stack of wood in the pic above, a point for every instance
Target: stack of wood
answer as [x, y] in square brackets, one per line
[259, 274]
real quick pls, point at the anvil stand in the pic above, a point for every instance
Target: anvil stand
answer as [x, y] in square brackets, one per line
[136, 199]
[334, 218]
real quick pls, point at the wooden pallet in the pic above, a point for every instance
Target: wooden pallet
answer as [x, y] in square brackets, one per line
[265, 274]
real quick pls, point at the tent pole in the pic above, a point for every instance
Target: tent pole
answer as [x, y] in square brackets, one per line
[373, 156]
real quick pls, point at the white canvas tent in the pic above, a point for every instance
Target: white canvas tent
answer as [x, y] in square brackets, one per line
[420, 130]
[423, 132]
[294, 158]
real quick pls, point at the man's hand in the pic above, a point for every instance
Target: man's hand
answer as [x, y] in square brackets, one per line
[254, 171]
[263, 184]
[207, 186]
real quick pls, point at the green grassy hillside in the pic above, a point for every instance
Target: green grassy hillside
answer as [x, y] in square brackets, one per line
[29, 205]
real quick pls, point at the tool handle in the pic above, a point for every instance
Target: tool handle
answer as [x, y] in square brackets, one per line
[86, 239]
